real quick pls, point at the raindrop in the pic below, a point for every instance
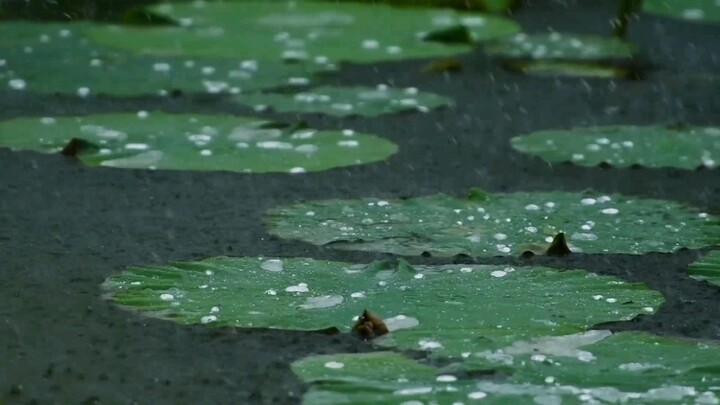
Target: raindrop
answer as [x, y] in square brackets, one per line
[538, 357]
[414, 391]
[17, 84]
[300, 288]
[349, 144]
[161, 67]
[325, 301]
[370, 44]
[272, 265]
[427, 344]
[401, 322]
[208, 318]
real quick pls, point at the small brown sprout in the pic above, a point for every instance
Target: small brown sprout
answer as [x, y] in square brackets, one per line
[369, 326]
[76, 146]
[558, 247]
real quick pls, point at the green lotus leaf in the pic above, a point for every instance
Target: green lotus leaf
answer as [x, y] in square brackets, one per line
[344, 101]
[83, 68]
[707, 268]
[496, 224]
[448, 310]
[492, 6]
[689, 10]
[195, 142]
[557, 46]
[565, 54]
[301, 31]
[624, 146]
[628, 368]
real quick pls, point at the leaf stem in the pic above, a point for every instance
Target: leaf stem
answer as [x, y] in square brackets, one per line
[628, 8]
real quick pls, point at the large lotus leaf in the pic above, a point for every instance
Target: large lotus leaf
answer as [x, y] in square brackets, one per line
[496, 224]
[448, 310]
[344, 101]
[628, 368]
[707, 268]
[623, 146]
[28, 50]
[302, 31]
[690, 10]
[195, 142]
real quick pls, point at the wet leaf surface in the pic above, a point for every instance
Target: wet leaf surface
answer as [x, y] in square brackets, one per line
[684, 147]
[84, 68]
[303, 32]
[446, 310]
[562, 54]
[496, 224]
[688, 10]
[590, 367]
[345, 101]
[195, 142]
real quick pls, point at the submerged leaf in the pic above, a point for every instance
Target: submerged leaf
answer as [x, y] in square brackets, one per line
[443, 65]
[496, 224]
[194, 142]
[707, 268]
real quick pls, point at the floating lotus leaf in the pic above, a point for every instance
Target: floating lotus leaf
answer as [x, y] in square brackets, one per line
[689, 10]
[557, 46]
[623, 146]
[83, 68]
[627, 368]
[565, 54]
[496, 224]
[195, 142]
[301, 31]
[448, 310]
[344, 101]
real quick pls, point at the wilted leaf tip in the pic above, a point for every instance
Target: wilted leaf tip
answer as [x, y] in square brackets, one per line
[559, 246]
[369, 326]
